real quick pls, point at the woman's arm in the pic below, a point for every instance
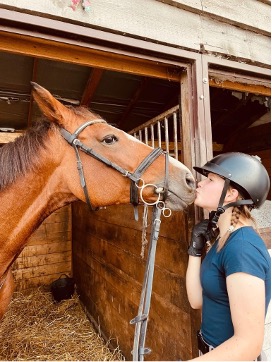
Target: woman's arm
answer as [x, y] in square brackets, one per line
[195, 251]
[193, 286]
[247, 304]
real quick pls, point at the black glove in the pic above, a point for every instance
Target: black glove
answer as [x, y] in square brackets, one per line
[199, 238]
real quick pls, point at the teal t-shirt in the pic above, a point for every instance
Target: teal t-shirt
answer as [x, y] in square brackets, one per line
[244, 252]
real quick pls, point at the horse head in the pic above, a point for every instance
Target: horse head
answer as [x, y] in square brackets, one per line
[82, 134]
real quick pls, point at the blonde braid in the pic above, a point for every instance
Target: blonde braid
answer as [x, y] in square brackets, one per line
[236, 212]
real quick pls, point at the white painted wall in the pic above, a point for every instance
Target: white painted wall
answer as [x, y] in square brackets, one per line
[233, 28]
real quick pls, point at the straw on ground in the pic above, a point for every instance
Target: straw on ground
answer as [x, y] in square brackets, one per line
[36, 328]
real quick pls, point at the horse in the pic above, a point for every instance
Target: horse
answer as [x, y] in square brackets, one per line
[49, 166]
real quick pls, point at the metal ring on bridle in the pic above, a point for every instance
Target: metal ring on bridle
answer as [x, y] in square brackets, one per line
[139, 183]
[165, 210]
[141, 195]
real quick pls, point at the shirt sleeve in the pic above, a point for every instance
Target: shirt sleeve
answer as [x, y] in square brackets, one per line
[240, 255]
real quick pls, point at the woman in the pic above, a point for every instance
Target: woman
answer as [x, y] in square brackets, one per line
[232, 285]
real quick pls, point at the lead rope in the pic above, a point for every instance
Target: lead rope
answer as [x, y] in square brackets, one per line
[140, 321]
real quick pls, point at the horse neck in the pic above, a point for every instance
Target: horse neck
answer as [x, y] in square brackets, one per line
[27, 202]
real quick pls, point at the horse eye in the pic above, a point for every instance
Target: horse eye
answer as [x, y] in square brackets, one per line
[110, 140]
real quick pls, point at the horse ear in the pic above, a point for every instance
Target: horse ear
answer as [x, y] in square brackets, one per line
[49, 105]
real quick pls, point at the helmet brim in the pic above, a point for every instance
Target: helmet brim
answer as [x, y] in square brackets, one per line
[211, 167]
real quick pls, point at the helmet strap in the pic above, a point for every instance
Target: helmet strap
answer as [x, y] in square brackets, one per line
[220, 208]
[214, 215]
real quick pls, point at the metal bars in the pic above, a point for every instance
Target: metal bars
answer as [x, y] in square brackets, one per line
[162, 131]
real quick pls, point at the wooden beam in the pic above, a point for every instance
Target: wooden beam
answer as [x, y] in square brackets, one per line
[91, 86]
[133, 101]
[242, 87]
[60, 51]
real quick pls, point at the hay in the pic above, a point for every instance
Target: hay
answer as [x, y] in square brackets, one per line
[35, 328]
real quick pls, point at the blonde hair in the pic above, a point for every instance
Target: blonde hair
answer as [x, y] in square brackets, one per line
[237, 211]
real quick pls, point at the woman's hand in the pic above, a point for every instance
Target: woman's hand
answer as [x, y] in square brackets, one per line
[195, 251]
[198, 240]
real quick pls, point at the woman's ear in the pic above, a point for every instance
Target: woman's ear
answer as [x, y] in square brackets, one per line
[232, 195]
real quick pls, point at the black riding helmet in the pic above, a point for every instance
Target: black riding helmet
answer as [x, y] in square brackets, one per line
[244, 173]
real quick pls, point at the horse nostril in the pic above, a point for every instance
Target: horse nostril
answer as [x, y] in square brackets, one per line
[190, 181]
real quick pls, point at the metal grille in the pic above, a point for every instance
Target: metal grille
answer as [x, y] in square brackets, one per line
[162, 131]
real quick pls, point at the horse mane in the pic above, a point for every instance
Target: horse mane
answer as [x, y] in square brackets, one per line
[22, 155]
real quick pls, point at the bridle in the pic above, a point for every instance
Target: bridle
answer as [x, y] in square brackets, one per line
[137, 183]
[135, 177]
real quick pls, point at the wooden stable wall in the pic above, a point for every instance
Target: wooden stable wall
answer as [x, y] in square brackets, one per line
[47, 254]
[109, 271]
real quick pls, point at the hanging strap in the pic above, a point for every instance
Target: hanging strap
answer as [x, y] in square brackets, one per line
[141, 319]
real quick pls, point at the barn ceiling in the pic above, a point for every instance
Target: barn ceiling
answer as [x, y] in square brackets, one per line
[240, 121]
[123, 99]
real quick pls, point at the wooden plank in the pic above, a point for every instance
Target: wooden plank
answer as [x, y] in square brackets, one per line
[41, 280]
[186, 119]
[114, 216]
[220, 82]
[132, 266]
[37, 281]
[56, 227]
[111, 215]
[61, 215]
[253, 15]
[42, 270]
[60, 237]
[43, 249]
[31, 261]
[122, 311]
[129, 241]
[47, 253]
[221, 38]
[111, 244]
